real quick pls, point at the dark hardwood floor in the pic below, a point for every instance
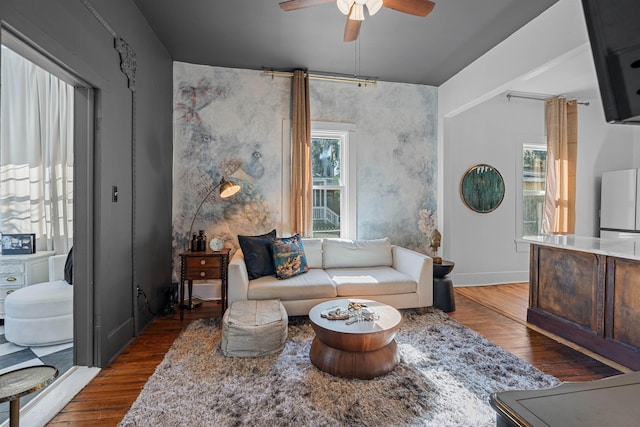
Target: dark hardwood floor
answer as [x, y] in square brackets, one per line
[108, 397]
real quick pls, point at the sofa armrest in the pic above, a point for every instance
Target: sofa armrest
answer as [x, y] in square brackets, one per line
[238, 279]
[420, 268]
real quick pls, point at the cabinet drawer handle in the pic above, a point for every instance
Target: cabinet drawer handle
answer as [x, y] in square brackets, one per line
[202, 274]
[10, 291]
[203, 262]
[11, 279]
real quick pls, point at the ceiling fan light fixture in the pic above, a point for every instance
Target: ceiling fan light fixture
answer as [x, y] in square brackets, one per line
[373, 6]
[345, 6]
[357, 12]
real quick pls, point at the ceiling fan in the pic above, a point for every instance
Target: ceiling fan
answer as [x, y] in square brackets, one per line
[354, 9]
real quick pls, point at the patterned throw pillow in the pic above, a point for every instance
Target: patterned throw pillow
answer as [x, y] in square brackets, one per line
[257, 254]
[288, 257]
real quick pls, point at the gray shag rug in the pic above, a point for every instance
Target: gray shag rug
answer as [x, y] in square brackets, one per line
[445, 377]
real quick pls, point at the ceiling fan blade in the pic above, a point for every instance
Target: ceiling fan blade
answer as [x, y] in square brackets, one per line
[351, 30]
[301, 4]
[412, 7]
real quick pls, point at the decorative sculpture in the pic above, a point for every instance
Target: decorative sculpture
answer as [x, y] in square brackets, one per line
[436, 239]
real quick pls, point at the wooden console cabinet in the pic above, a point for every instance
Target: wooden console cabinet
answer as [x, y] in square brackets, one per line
[591, 299]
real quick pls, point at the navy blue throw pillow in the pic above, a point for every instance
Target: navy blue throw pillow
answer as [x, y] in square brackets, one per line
[68, 268]
[257, 254]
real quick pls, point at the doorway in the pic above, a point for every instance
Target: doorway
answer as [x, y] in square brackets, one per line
[70, 210]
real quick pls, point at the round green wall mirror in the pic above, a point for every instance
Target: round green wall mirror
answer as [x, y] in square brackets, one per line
[482, 188]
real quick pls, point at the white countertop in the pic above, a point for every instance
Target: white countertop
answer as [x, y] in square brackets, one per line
[623, 248]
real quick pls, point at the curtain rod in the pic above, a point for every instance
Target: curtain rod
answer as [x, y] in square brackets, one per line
[358, 80]
[512, 95]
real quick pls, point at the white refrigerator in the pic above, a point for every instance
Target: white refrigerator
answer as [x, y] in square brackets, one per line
[620, 204]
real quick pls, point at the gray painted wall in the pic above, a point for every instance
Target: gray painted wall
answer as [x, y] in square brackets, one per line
[105, 288]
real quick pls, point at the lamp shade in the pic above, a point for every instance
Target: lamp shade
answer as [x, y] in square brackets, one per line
[228, 188]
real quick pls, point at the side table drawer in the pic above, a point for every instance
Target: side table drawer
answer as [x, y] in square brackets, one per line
[195, 263]
[195, 273]
[12, 279]
[12, 267]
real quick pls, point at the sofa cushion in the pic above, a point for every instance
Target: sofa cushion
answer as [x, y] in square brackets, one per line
[371, 281]
[338, 253]
[288, 257]
[257, 254]
[314, 284]
[313, 252]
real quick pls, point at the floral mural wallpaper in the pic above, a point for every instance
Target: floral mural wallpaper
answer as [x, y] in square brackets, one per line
[228, 122]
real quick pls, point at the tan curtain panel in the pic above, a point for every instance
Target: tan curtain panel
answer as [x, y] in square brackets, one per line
[301, 156]
[561, 121]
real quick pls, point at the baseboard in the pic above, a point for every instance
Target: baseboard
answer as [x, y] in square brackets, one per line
[496, 278]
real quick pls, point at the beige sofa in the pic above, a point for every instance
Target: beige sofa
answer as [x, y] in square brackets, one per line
[367, 269]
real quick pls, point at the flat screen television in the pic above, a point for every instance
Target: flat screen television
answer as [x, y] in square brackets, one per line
[614, 36]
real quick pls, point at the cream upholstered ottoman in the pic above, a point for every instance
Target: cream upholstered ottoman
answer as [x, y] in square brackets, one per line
[41, 314]
[254, 328]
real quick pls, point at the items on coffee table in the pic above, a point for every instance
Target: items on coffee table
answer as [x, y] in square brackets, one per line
[364, 349]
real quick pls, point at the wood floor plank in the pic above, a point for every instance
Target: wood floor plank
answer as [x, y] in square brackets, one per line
[495, 312]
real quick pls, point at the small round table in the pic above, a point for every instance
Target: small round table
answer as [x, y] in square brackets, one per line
[364, 350]
[15, 384]
[443, 296]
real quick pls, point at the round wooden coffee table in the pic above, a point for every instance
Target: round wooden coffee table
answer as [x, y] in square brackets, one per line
[365, 349]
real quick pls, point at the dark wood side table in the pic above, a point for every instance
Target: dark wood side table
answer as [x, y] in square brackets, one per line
[15, 384]
[204, 265]
[443, 296]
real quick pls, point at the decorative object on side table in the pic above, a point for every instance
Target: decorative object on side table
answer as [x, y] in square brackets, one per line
[443, 296]
[436, 239]
[216, 244]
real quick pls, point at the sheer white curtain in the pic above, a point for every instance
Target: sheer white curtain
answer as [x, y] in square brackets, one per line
[36, 153]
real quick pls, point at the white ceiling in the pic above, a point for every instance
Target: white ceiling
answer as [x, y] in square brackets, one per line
[393, 46]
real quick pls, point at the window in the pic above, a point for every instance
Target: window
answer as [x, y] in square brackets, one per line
[534, 169]
[332, 212]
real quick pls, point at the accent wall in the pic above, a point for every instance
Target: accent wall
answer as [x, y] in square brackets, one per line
[235, 123]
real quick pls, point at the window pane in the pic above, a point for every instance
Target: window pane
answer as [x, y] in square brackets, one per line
[326, 213]
[325, 161]
[534, 169]
[532, 208]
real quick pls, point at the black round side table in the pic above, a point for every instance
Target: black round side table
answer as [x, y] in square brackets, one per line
[443, 296]
[15, 384]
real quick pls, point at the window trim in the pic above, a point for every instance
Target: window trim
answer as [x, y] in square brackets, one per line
[348, 171]
[537, 142]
